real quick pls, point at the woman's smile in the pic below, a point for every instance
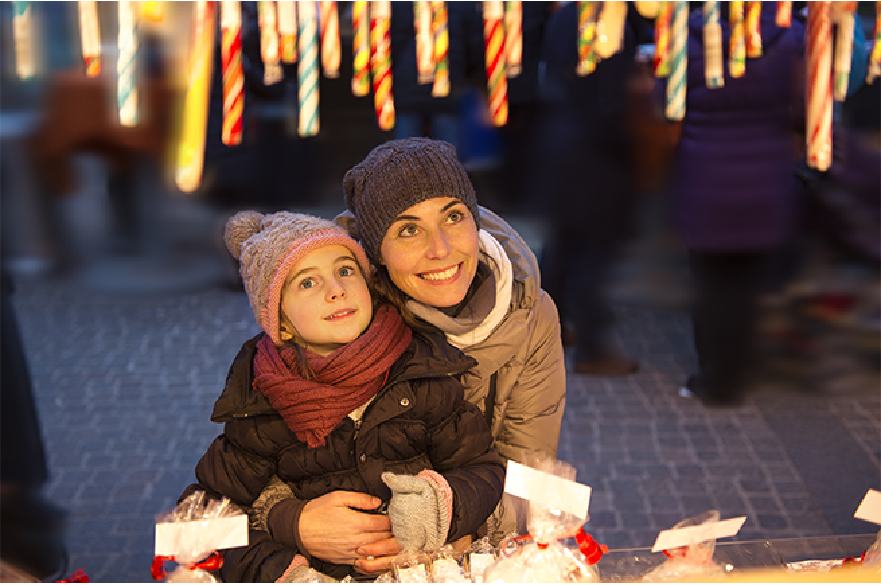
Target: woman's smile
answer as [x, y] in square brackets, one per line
[442, 276]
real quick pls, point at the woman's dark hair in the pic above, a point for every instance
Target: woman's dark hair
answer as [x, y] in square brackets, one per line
[381, 284]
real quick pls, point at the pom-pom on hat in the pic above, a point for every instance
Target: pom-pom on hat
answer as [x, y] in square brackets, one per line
[398, 174]
[267, 248]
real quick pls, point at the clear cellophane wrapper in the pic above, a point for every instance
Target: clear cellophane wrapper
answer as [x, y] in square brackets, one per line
[693, 562]
[189, 551]
[543, 558]
[872, 556]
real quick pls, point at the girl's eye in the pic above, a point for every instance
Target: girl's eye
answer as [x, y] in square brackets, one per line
[348, 271]
[408, 231]
[455, 216]
[307, 283]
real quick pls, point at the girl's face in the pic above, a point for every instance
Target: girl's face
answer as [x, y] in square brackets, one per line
[431, 251]
[325, 302]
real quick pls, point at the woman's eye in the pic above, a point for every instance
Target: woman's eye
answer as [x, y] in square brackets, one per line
[307, 283]
[348, 271]
[408, 231]
[455, 216]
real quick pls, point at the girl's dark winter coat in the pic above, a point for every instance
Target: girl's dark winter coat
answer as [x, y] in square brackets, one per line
[418, 420]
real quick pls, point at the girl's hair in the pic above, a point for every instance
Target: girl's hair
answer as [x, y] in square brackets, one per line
[381, 284]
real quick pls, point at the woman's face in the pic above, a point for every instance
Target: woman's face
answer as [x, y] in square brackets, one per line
[431, 251]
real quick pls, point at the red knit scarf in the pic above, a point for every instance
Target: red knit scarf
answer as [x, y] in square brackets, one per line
[344, 379]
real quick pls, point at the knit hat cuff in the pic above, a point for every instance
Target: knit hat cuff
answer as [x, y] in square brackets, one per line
[269, 313]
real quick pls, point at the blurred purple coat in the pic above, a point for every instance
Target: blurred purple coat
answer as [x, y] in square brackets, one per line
[733, 182]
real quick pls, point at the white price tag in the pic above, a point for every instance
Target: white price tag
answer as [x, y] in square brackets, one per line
[209, 534]
[676, 537]
[546, 489]
[870, 508]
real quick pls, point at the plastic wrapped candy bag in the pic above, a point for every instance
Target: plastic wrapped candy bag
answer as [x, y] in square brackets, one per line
[540, 557]
[690, 562]
[191, 534]
[412, 567]
[445, 567]
[481, 556]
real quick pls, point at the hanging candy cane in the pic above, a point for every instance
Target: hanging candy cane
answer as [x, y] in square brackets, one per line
[330, 39]
[441, 38]
[844, 20]
[126, 84]
[753, 29]
[676, 83]
[713, 62]
[381, 63]
[494, 42]
[266, 19]
[819, 86]
[233, 75]
[662, 40]
[360, 49]
[648, 9]
[875, 55]
[307, 69]
[587, 27]
[90, 37]
[784, 14]
[737, 42]
[424, 42]
[22, 32]
[191, 148]
[513, 37]
[287, 30]
[610, 28]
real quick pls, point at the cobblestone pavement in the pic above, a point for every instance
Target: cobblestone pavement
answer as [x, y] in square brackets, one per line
[125, 384]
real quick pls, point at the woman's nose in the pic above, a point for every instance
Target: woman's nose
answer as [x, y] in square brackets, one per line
[438, 246]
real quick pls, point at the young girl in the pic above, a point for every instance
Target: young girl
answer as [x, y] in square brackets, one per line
[344, 408]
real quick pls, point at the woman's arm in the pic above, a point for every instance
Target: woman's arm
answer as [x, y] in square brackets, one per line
[534, 413]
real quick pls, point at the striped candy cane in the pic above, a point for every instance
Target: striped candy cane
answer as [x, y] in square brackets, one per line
[676, 85]
[90, 37]
[330, 39]
[22, 32]
[753, 29]
[610, 28]
[266, 18]
[191, 149]
[737, 42]
[648, 9]
[662, 40]
[844, 20]
[307, 69]
[514, 36]
[784, 14]
[713, 62]
[819, 86]
[233, 75]
[381, 63]
[494, 41]
[360, 49]
[424, 41]
[126, 86]
[441, 38]
[587, 26]
[287, 30]
[875, 55]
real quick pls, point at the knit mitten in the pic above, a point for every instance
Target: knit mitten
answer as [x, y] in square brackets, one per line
[420, 509]
[274, 492]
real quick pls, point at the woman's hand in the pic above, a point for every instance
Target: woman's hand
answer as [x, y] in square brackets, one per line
[377, 557]
[333, 529]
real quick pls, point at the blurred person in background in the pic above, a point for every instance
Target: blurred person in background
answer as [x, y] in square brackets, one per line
[586, 187]
[735, 195]
[31, 528]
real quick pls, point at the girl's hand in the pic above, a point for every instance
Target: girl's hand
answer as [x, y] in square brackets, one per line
[333, 529]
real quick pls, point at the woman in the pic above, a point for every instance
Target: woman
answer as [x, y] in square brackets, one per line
[449, 264]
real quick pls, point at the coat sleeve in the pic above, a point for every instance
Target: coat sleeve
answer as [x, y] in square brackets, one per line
[461, 450]
[239, 464]
[532, 418]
